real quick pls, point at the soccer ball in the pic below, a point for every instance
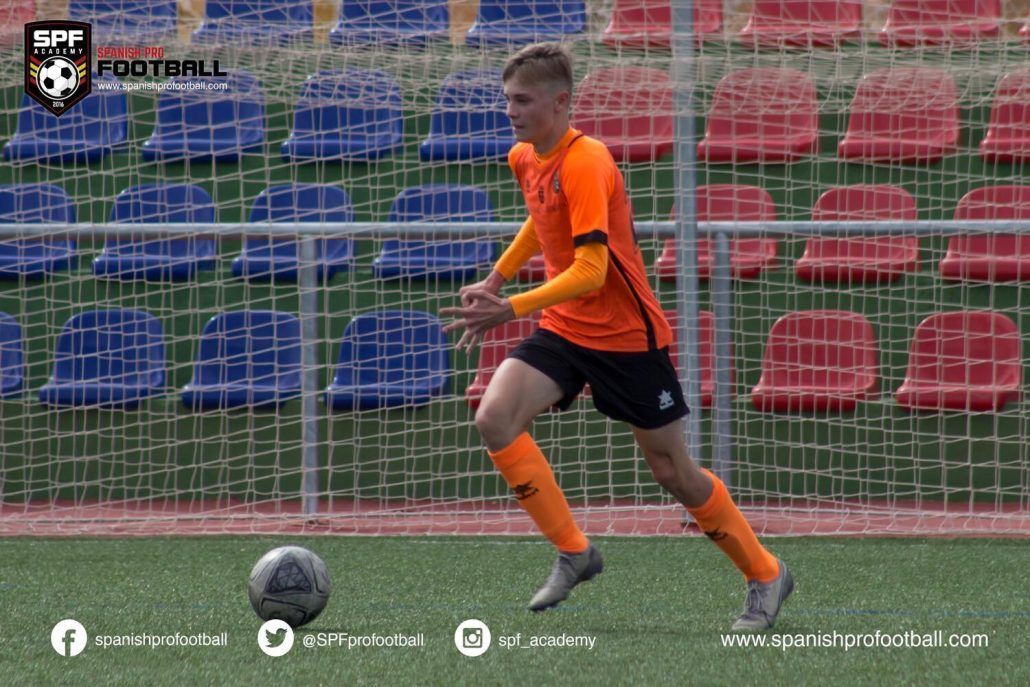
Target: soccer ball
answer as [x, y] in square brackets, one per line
[58, 78]
[289, 583]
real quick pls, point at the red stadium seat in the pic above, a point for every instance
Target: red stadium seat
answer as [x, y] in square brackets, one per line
[13, 15]
[1008, 135]
[803, 23]
[644, 24]
[936, 22]
[906, 114]
[496, 346]
[761, 115]
[706, 347]
[817, 361]
[629, 109]
[990, 257]
[969, 361]
[728, 203]
[869, 260]
[534, 270]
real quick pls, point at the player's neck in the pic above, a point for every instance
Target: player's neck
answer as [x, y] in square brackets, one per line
[545, 147]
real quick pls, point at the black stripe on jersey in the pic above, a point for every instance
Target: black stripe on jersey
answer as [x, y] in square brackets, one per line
[596, 235]
[652, 342]
[574, 139]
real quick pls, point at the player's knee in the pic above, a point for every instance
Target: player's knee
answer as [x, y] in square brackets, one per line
[665, 474]
[494, 426]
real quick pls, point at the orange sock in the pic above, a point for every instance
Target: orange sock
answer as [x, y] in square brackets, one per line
[528, 474]
[725, 525]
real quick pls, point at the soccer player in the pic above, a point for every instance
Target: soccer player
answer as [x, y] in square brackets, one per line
[601, 325]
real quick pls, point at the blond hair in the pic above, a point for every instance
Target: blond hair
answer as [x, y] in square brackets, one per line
[541, 62]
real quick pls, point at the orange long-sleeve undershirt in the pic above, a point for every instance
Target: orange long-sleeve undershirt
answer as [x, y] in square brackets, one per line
[586, 273]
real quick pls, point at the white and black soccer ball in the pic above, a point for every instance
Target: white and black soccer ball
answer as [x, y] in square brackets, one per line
[289, 583]
[58, 78]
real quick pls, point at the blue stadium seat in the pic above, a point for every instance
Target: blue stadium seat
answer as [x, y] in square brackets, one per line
[107, 358]
[355, 114]
[256, 22]
[129, 22]
[35, 204]
[509, 22]
[460, 259]
[209, 124]
[12, 356]
[469, 121]
[246, 358]
[267, 258]
[390, 358]
[164, 259]
[87, 133]
[411, 23]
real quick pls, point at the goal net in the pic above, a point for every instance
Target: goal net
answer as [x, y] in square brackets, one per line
[273, 361]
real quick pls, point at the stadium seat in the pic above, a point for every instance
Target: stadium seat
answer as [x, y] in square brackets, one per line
[647, 24]
[990, 257]
[12, 357]
[470, 119]
[966, 361]
[706, 348]
[629, 109]
[208, 124]
[128, 22]
[803, 23]
[460, 259]
[91, 130]
[875, 259]
[269, 258]
[390, 358]
[107, 358]
[935, 22]
[354, 114]
[817, 361]
[246, 358]
[165, 259]
[1008, 133]
[14, 14]
[256, 22]
[727, 203]
[497, 344]
[513, 22]
[35, 204]
[904, 114]
[409, 23]
[761, 115]
[534, 269]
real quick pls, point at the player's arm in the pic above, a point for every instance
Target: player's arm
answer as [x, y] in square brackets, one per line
[586, 274]
[525, 246]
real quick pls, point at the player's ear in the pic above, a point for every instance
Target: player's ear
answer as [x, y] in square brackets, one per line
[561, 101]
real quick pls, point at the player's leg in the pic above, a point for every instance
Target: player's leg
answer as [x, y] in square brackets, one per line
[518, 393]
[709, 502]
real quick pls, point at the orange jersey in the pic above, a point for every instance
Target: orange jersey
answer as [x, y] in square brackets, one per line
[575, 195]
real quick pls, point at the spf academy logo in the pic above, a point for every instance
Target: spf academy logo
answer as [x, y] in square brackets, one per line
[57, 63]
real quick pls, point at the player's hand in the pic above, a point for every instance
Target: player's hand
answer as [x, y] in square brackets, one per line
[491, 285]
[482, 312]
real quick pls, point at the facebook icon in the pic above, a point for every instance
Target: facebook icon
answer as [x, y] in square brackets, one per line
[68, 637]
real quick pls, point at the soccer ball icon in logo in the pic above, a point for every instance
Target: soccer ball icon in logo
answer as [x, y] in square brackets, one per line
[58, 78]
[289, 583]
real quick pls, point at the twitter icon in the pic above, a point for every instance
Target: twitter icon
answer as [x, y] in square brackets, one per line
[275, 637]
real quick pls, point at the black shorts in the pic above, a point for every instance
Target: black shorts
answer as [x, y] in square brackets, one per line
[639, 388]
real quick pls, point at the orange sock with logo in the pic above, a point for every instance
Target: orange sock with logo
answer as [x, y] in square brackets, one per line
[725, 525]
[529, 475]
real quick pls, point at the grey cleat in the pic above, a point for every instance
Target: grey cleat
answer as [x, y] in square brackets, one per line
[568, 571]
[763, 601]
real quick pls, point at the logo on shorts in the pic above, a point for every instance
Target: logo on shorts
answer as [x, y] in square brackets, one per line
[57, 54]
[524, 491]
[664, 400]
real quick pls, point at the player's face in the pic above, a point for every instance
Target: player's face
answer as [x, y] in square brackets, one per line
[538, 114]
